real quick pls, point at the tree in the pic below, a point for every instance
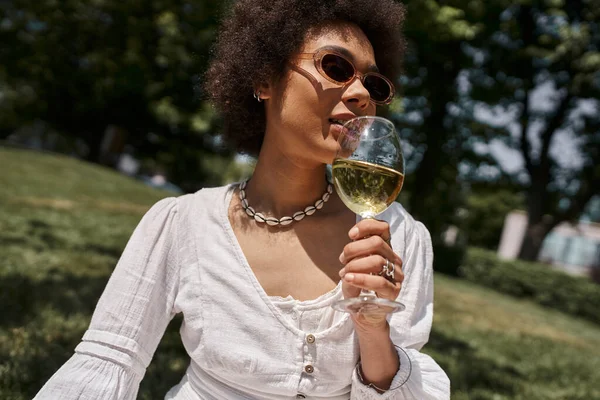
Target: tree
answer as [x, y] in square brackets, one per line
[552, 47]
[83, 66]
[434, 115]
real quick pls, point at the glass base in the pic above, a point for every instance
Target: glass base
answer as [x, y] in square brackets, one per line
[367, 304]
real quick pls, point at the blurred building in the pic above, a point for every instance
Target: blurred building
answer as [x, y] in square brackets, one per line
[573, 248]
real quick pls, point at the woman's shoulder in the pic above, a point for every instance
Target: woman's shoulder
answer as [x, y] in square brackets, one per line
[399, 218]
[162, 208]
[202, 203]
[397, 213]
[208, 196]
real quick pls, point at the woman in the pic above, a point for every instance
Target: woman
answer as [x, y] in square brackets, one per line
[256, 297]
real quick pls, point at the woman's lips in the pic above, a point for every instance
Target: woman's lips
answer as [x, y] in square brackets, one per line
[337, 130]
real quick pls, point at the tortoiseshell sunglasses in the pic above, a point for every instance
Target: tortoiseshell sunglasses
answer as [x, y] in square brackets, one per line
[337, 69]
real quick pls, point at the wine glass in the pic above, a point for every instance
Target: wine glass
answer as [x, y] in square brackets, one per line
[368, 173]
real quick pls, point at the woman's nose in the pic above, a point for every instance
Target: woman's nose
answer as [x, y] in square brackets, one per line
[355, 93]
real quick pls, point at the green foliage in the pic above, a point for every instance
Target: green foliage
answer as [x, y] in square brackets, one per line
[448, 259]
[487, 207]
[82, 66]
[443, 22]
[537, 282]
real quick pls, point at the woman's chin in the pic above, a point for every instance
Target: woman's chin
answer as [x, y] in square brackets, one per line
[329, 151]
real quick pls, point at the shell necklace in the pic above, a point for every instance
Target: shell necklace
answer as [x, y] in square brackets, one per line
[297, 216]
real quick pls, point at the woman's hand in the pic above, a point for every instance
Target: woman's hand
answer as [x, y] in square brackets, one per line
[363, 259]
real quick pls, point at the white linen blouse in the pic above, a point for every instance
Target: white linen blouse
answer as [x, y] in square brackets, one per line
[184, 258]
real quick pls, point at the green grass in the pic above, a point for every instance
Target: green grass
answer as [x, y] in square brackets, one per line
[497, 347]
[64, 223]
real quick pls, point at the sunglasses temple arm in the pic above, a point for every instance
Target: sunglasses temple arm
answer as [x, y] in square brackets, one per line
[305, 56]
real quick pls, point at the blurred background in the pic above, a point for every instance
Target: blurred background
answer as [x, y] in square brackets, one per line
[101, 115]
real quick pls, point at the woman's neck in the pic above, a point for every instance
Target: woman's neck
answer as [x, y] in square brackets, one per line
[280, 188]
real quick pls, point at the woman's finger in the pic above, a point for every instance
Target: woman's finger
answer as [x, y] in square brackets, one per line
[384, 288]
[370, 227]
[367, 247]
[372, 264]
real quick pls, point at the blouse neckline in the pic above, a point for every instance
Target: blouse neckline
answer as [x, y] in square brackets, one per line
[325, 300]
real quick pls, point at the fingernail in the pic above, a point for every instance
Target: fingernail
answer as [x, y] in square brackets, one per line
[342, 259]
[342, 272]
[353, 233]
[349, 277]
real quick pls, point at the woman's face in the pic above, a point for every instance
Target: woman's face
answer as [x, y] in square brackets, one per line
[303, 106]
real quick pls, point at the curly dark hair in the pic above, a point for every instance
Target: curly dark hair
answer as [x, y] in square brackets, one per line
[258, 37]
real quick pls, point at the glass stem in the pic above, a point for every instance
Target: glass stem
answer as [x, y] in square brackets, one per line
[366, 292]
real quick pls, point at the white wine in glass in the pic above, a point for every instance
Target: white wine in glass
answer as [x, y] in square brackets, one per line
[367, 189]
[368, 173]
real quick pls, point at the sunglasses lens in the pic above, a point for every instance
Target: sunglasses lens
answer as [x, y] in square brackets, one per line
[341, 70]
[337, 68]
[378, 88]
